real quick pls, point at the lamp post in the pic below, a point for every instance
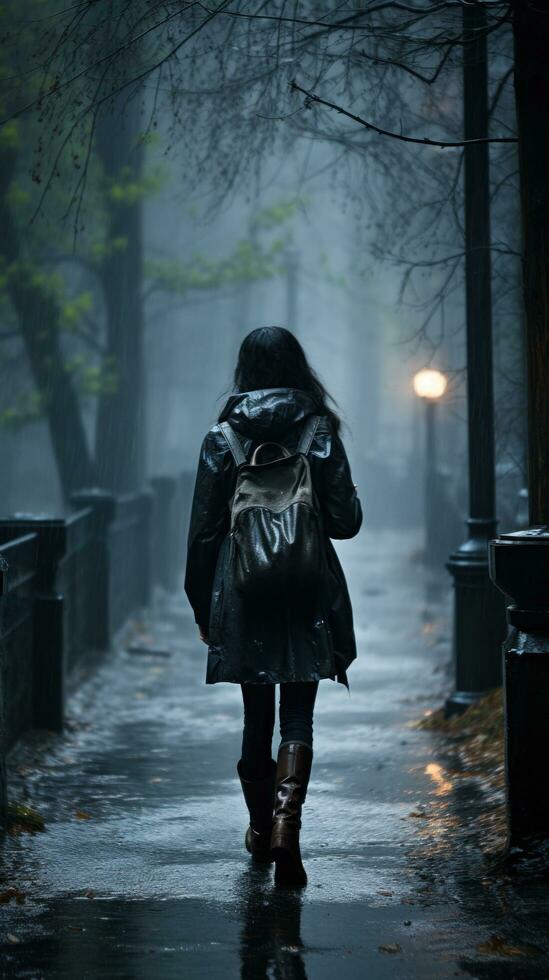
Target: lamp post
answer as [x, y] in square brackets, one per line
[479, 614]
[292, 273]
[430, 385]
[244, 295]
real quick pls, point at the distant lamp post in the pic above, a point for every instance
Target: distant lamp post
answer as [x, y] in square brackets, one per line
[292, 290]
[430, 385]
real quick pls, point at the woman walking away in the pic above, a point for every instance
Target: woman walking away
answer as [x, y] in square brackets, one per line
[268, 592]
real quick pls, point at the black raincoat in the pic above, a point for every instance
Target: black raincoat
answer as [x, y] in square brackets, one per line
[270, 643]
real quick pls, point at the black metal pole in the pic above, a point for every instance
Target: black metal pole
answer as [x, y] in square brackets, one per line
[479, 623]
[244, 296]
[430, 481]
[292, 271]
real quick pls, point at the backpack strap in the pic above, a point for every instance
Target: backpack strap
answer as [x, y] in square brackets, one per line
[233, 443]
[308, 434]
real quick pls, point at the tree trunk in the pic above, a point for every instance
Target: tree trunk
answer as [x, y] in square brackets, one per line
[531, 32]
[38, 315]
[120, 433]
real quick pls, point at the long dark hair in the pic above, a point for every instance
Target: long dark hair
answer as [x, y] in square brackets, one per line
[272, 357]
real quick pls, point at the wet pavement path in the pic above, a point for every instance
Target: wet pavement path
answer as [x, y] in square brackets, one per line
[141, 871]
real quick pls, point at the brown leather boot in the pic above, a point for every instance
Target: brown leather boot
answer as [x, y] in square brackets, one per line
[259, 798]
[292, 778]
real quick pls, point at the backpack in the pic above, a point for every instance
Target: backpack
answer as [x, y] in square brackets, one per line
[276, 540]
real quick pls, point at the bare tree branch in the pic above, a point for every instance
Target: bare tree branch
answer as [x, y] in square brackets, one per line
[311, 98]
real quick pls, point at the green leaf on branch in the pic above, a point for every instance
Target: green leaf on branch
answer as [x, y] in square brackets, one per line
[272, 217]
[74, 309]
[248, 263]
[16, 197]
[99, 380]
[29, 407]
[126, 190]
[100, 251]
[10, 134]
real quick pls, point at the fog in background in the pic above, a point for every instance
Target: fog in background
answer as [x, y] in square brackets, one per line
[324, 283]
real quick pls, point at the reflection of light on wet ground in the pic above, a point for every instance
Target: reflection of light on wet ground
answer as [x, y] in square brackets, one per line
[159, 870]
[436, 821]
[436, 773]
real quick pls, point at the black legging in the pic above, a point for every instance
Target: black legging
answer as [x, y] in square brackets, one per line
[297, 702]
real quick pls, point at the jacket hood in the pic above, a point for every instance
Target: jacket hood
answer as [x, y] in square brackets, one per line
[268, 412]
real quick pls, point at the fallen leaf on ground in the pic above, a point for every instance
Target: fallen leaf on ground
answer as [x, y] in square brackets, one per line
[12, 939]
[23, 818]
[389, 948]
[384, 891]
[82, 815]
[12, 892]
[497, 946]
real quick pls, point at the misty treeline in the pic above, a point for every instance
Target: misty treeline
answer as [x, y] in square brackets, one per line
[240, 84]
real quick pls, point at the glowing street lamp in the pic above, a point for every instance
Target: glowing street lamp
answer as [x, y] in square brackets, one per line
[430, 385]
